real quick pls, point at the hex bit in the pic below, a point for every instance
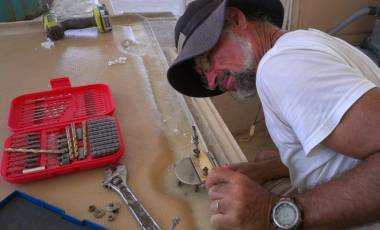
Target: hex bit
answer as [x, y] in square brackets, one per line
[104, 137]
[102, 123]
[92, 133]
[101, 135]
[94, 144]
[62, 160]
[81, 154]
[101, 127]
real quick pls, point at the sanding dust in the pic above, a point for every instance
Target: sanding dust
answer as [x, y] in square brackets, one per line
[120, 60]
[47, 44]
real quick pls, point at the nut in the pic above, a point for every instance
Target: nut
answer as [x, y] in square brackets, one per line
[110, 216]
[113, 207]
[99, 213]
[91, 208]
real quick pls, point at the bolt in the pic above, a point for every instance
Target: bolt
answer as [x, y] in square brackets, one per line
[205, 171]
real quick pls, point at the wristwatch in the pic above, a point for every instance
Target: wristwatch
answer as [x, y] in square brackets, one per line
[286, 214]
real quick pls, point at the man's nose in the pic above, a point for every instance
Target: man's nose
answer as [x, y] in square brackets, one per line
[212, 79]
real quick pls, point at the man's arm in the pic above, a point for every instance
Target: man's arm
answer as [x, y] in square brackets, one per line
[266, 166]
[353, 198]
[350, 200]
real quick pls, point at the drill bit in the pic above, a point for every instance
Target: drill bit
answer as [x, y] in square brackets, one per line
[33, 150]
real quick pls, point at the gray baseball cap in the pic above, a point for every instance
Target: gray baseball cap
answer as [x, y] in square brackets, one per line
[198, 30]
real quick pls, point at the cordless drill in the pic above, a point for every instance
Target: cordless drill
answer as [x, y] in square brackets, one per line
[55, 27]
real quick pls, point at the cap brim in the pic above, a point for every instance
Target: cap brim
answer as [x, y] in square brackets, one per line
[181, 74]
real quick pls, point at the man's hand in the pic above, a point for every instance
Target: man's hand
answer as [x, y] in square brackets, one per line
[267, 166]
[243, 204]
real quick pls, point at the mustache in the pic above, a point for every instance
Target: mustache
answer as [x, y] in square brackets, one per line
[245, 83]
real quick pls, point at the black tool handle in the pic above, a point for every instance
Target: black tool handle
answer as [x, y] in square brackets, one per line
[78, 23]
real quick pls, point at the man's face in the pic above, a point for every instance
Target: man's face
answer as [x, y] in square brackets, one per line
[229, 66]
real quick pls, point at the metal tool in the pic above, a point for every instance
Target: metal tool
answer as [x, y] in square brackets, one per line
[35, 169]
[40, 110]
[195, 141]
[26, 145]
[42, 99]
[175, 222]
[45, 106]
[58, 161]
[74, 140]
[116, 180]
[193, 170]
[35, 150]
[25, 137]
[68, 138]
[55, 26]
[22, 161]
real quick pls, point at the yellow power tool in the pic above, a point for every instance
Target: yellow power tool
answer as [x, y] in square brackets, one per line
[56, 27]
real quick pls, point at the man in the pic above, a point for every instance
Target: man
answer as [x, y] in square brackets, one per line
[321, 105]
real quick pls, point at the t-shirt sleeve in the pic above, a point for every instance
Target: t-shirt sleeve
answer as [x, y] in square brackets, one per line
[310, 91]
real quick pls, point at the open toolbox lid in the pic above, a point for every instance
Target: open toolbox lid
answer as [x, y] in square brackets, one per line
[63, 104]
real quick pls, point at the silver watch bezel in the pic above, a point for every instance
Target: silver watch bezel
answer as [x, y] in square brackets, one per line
[296, 221]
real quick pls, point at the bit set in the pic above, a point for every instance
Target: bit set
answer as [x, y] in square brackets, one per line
[103, 137]
[61, 132]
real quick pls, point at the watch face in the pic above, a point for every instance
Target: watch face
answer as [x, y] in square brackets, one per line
[286, 215]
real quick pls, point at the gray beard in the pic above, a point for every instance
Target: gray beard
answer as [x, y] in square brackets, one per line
[245, 83]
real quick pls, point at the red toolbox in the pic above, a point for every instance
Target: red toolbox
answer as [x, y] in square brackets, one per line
[60, 131]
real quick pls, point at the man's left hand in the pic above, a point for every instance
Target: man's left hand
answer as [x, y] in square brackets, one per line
[237, 202]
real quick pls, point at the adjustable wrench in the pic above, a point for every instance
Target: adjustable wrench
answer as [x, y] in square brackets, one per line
[116, 180]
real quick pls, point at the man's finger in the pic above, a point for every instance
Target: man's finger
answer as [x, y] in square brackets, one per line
[221, 221]
[221, 206]
[219, 175]
[217, 191]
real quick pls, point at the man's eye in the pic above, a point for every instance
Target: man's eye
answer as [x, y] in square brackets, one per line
[198, 70]
[208, 60]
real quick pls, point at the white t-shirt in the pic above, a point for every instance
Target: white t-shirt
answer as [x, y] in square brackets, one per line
[306, 83]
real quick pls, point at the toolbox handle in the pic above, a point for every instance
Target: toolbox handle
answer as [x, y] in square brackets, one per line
[60, 83]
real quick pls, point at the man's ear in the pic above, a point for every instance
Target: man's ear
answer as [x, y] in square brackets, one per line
[235, 19]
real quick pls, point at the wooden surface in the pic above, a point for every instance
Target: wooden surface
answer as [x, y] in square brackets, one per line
[156, 131]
